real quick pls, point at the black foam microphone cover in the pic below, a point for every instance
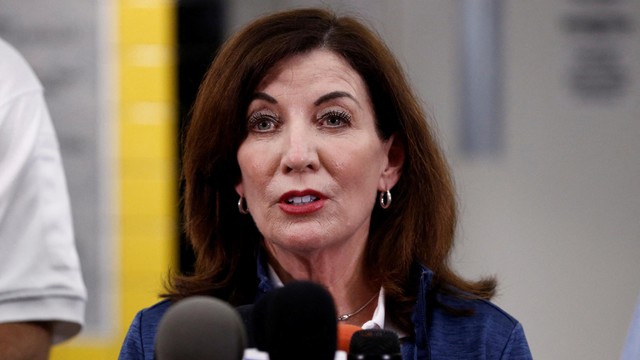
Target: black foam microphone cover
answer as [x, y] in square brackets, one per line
[374, 344]
[200, 328]
[297, 321]
[246, 315]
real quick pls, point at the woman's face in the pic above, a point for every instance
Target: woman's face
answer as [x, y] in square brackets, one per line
[312, 162]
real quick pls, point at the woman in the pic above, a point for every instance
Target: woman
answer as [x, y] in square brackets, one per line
[308, 157]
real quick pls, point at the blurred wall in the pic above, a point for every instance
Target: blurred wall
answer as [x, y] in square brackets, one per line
[108, 69]
[555, 212]
[556, 216]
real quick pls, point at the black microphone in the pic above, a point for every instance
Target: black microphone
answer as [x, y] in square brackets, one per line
[374, 344]
[200, 328]
[297, 321]
[246, 315]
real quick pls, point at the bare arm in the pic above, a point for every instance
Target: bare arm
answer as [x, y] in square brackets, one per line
[26, 340]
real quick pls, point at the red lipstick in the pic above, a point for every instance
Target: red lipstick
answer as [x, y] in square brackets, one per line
[301, 202]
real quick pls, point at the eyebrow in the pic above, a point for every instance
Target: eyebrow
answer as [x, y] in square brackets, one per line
[334, 95]
[322, 99]
[265, 97]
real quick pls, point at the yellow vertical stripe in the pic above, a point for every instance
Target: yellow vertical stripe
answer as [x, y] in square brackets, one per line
[146, 133]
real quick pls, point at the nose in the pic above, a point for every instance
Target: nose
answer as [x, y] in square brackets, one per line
[300, 152]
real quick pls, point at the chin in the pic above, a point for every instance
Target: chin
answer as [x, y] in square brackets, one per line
[302, 244]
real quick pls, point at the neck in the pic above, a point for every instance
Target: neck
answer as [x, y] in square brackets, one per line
[341, 273]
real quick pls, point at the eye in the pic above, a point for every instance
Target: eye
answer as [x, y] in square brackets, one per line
[335, 118]
[262, 122]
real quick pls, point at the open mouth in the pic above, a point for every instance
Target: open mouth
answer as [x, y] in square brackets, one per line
[301, 200]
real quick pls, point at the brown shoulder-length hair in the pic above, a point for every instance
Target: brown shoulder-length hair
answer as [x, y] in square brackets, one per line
[418, 228]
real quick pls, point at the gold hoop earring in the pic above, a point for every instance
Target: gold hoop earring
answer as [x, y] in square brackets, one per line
[242, 208]
[385, 199]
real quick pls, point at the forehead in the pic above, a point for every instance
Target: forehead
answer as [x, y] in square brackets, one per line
[319, 70]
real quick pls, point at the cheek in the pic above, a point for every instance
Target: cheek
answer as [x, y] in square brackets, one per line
[360, 169]
[254, 167]
[246, 168]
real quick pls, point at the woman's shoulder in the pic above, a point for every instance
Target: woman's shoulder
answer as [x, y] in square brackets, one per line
[147, 319]
[140, 338]
[445, 305]
[152, 314]
[487, 328]
[481, 312]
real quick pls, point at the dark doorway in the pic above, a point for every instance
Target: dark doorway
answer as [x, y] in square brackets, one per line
[200, 29]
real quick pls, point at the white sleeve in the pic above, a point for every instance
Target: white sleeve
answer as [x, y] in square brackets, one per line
[40, 277]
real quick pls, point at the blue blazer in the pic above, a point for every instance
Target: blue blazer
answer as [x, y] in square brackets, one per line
[490, 333]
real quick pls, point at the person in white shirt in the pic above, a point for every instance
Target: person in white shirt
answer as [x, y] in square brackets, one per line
[42, 292]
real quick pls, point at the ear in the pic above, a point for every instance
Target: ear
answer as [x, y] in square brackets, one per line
[240, 188]
[395, 161]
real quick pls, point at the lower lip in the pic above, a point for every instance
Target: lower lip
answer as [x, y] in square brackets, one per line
[302, 209]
